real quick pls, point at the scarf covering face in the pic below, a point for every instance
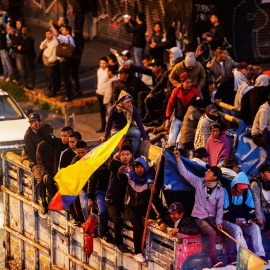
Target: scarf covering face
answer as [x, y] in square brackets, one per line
[127, 113]
[212, 117]
[238, 78]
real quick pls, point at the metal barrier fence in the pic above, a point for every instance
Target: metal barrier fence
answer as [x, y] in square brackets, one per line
[51, 241]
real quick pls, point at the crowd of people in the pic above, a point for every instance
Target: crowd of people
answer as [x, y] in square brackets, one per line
[164, 99]
[17, 51]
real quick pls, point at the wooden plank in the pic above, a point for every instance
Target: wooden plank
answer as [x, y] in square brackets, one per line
[80, 263]
[20, 236]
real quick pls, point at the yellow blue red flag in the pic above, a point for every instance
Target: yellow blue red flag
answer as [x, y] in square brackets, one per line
[71, 180]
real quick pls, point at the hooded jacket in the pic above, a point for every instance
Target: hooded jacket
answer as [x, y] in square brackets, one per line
[137, 192]
[262, 119]
[239, 206]
[197, 75]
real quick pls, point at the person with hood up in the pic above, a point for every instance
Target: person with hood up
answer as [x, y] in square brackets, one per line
[193, 68]
[139, 182]
[243, 88]
[260, 188]
[259, 94]
[208, 206]
[203, 129]
[239, 215]
[230, 167]
[218, 145]
[179, 101]
[121, 113]
[227, 89]
[260, 132]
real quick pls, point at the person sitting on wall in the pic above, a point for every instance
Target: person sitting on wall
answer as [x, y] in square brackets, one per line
[119, 114]
[177, 222]
[230, 167]
[209, 201]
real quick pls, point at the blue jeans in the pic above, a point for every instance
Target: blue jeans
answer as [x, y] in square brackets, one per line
[7, 67]
[20, 68]
[175, 132]
[84, 204]
[102, 211]
[138, 55]
[134, 134]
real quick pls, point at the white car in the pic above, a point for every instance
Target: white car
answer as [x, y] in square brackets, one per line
[13, 122]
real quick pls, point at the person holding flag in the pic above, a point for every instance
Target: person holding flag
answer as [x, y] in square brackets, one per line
[208, 206]
[121, 113]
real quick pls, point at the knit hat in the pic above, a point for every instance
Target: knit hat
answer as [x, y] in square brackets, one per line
[184, 76]
[217, 171]
[176, 52]
[190, 60]
[210, 108]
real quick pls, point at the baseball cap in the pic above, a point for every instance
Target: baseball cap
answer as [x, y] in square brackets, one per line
[34, 117]
[176, 207]
[242, 186]
[243, 65]
[126, 98]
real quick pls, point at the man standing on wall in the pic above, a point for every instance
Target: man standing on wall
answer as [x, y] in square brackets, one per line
[138, 28]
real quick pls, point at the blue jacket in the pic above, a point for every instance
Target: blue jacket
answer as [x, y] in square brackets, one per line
[239, 206]
[137, 192]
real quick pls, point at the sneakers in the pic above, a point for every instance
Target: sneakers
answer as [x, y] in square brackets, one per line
[216, 263]
[139, 258]
[2, 78]
[8, 79]
[123, 248]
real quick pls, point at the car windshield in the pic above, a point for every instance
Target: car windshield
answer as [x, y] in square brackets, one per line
[9, 110]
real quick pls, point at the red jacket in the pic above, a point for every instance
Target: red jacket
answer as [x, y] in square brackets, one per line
[180, 102]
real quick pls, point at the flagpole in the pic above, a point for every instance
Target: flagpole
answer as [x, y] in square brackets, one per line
[151, 199]
[244, 247]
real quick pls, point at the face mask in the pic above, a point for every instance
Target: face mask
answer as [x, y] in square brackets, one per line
[212, 117]
[172, 61]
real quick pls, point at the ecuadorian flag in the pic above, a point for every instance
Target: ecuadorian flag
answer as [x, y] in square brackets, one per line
[247, 261]
[71, 180]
